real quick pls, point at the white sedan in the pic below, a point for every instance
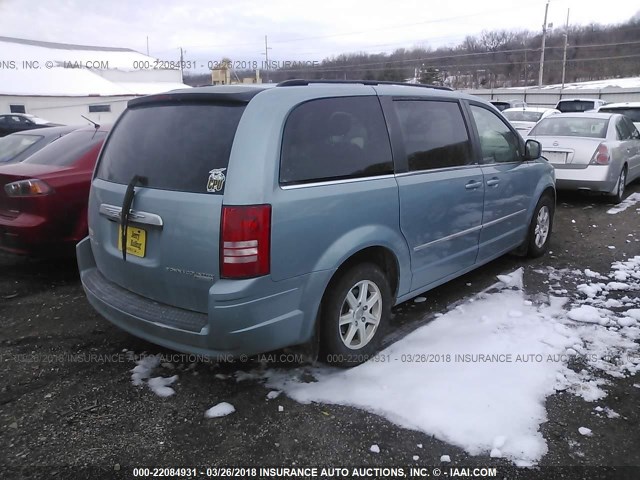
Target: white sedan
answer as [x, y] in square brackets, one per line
[525, 118]
[597, 152]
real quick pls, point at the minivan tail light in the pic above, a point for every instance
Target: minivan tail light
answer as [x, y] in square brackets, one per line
[601, 155]
[245, 237]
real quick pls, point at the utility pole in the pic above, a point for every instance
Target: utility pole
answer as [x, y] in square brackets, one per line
[266, 56]
[564, 55]
[525, 63]
[181, 66]
[544, 39]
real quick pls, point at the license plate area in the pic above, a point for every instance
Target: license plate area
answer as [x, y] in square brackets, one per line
[555, 157]
[136, 241]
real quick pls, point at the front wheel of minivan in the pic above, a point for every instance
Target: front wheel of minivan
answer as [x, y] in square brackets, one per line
[540, 227]
[354, 315]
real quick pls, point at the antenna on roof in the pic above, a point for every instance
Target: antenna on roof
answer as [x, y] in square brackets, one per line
[96, 125]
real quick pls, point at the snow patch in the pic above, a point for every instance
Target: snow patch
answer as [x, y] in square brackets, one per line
[220, 410]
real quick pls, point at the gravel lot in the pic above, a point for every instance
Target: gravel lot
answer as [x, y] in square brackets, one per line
[59, 406]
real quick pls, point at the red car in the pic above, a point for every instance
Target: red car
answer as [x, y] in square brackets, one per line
[43, 200]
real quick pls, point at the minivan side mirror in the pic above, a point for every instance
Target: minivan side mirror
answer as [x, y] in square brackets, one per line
[532, 150]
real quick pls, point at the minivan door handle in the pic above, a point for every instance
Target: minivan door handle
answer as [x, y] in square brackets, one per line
[472, 185]
[493, 182]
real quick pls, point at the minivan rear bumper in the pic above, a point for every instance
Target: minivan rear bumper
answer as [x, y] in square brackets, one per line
[245, 317]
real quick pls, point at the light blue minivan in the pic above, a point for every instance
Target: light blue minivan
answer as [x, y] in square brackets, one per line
[260, 217]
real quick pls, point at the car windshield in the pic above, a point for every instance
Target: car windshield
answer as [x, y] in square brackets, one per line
[522, 116]
[68, 149]
[632, 112]
[571, 127]
[37, 120]
[13, 145]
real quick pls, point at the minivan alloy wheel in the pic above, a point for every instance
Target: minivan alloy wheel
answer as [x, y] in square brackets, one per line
[360, 314]
[543, 222]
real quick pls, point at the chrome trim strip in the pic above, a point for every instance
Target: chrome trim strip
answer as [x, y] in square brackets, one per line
[336, 182]
[449, 237]
[498, 220]
[436, 170]
[469, 230]
[113, 213]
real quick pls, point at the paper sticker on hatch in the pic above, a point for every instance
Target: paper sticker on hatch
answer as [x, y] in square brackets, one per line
[216, 180]
[136, 241]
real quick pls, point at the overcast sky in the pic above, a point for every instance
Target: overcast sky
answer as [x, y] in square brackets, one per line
[297, 30]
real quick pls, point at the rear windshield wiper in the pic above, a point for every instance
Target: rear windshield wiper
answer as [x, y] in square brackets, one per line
[126, 207]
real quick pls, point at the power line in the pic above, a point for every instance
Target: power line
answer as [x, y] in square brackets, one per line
[463, 65]
[497, 52]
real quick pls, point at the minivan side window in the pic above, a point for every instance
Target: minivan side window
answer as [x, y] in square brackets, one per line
[335, 138]
[497, 142]
[434, 134]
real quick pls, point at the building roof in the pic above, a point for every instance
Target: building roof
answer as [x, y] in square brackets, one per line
[69, 70]
[23, 50]
[74, 82]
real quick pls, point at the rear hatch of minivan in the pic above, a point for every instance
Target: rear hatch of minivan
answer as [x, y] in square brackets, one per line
[172, 152]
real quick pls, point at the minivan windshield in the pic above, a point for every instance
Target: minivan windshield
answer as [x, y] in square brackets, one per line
[175, 146]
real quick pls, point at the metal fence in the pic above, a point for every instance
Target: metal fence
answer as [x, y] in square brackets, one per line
[547, 97]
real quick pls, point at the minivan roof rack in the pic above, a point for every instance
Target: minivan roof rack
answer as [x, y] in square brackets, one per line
[301, 82]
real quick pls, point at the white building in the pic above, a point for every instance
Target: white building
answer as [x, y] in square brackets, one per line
[60, 82]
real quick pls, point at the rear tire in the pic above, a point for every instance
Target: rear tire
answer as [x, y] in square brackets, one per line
[540, 228]
[618, 191]
[354, 315]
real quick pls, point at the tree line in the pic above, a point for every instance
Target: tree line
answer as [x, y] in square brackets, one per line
[492, 59]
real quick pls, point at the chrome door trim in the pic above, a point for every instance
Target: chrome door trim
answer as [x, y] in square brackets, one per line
[506, 217]
[113, 213]
[449, 237]
[336, 182]
[468, 230]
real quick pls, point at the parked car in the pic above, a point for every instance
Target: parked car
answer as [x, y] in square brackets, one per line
[598, 152]
[570, 105]
[525, 118]
[19, 146]
[504, 104]
[257, 216]
[630, 109]
[43, 200]
[17, 122]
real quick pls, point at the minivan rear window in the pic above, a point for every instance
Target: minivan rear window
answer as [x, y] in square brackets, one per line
[175, 146]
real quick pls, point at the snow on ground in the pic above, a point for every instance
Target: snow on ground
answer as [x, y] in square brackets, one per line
[630, 201]
[478, 376]
[142, 372]
[220, 410]
[160, 385]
